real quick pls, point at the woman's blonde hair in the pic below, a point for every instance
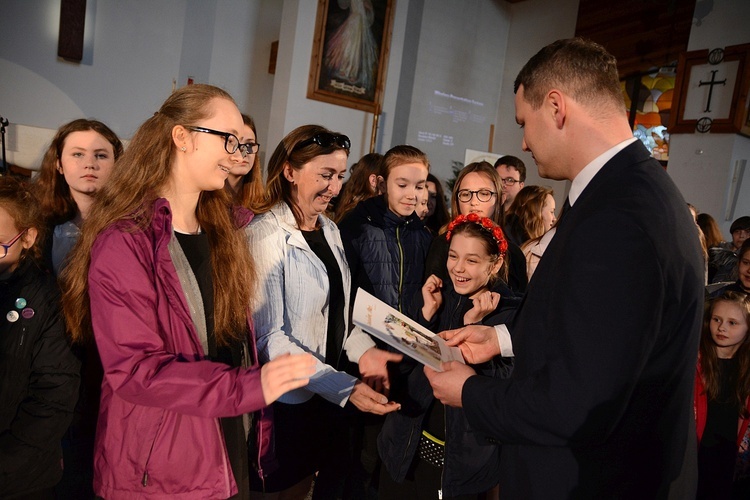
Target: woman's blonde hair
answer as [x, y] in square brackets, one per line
[527, 206]
[141, 173]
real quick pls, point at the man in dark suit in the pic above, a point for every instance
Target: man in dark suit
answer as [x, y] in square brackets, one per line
[600, 401]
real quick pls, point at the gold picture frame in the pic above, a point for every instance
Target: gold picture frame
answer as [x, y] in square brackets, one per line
[350, 53]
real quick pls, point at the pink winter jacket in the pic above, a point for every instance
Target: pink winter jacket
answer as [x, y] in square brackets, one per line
[158, 433]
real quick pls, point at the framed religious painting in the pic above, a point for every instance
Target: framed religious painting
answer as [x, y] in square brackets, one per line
[350, 53]
[711, 91]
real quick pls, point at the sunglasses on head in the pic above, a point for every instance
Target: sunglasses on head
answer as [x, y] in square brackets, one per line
[326, 140]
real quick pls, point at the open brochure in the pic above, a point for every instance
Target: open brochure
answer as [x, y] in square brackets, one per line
[387, 324]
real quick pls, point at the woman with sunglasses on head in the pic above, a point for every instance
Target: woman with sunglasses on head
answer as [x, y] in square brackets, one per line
[245, 180]
[477, 190]
[163, 279]
[304, 307]
[39, 375]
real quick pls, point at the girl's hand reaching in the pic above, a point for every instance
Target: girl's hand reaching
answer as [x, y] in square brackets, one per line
[433, 297]
[287, 372]
[484, 303]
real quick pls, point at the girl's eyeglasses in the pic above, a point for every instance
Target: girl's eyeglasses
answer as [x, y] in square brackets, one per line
[231, 142]
[7, 246]
[483, 195]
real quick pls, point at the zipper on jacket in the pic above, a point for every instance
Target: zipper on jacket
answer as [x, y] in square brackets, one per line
[20, 344]
[400, 268]
[445, 452]
[406, 451]
[144, 479]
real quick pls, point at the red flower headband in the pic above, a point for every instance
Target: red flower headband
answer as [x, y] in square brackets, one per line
[483, 222]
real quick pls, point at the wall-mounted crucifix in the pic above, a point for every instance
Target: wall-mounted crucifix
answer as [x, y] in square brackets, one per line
[711, 84]
[711, 91]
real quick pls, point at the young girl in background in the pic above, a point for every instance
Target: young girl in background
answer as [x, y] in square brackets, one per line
[39, 374]
[444, 458]
[74, 168]
[245, 180]
[722, 399]
[385, 241]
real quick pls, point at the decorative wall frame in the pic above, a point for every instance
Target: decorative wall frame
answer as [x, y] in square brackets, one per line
[711, 91]
[350, 53]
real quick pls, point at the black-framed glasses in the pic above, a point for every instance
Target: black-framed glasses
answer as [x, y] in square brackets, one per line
[231, 142]
[509, 181]
[483, 195]
[7, 246]
[326, 140]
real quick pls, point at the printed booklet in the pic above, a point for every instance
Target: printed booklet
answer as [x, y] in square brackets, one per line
[387, 324]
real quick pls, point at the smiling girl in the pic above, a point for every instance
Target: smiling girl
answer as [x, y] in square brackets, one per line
[477, 190]
[386, 242]
[722, 399]
[163, 279]
[446, 459]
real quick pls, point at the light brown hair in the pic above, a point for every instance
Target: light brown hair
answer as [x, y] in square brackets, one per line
[250, 193]
[709, 359]
[527, 206]
[134, 186]
[358, 187]
[480, 167]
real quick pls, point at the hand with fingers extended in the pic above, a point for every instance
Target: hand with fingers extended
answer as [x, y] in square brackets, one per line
[285, 373]
[366, 399]
[373, 366]
[432, 296]
[484, 304]
[478, 343]
[447, 386]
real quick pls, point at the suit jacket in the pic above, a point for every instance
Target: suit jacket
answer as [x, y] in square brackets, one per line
[600, 401]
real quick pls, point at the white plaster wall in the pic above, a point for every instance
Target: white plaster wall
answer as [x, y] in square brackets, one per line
[702, 165]
[533, 24]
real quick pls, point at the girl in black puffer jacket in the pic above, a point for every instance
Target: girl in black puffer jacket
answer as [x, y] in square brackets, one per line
[39, 375]
[385, 241]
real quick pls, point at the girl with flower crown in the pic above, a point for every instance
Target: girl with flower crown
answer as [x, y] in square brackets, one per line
[427, 447]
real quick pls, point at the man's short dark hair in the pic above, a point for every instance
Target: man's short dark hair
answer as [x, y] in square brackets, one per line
[513, 162]
[579, 67]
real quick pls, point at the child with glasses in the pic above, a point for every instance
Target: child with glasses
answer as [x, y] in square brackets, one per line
[163, 280]
[39, 374]
[477, 190]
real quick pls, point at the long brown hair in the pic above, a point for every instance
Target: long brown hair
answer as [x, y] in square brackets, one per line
[250, 193]
[278, 188]
[142, 172]
[527, 206]
[710, 229]
[709, 360]
[358, 187]
[480, 167]
[50, 187]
